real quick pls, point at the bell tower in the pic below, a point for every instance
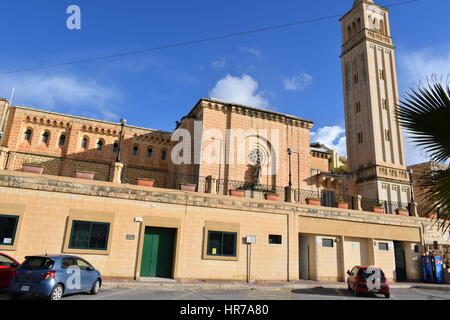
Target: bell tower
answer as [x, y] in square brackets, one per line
[374, 140]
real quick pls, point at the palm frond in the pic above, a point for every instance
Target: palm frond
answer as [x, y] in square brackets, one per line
[424, 113]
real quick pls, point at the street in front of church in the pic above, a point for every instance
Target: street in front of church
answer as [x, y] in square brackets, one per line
[275, 293]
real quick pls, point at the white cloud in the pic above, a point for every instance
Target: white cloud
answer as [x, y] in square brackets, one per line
[243, 90]
[418, 65]
[253, 51]
[61, 92]
[332, 137]
[297, 83]
[219, 64]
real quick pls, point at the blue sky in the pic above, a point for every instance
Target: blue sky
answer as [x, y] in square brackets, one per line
[294, 70]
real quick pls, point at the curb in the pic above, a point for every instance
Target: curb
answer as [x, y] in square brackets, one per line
[431, 288]
[237, 286]
[206, 286]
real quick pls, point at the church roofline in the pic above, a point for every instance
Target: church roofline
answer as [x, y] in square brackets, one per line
[366, 2]
[232, 104]
[87, 119]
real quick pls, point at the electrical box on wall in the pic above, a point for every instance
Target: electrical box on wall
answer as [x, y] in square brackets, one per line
[250, 239]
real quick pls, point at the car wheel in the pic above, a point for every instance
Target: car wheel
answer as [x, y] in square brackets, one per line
[387, 295]
[96, 287]
[14, 296]
[56, 293]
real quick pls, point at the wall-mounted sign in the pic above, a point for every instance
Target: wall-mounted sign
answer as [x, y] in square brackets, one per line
[250, 239]
[130, 237]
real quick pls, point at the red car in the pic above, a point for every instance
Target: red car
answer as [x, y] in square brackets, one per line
[368, 279]
[8, 266]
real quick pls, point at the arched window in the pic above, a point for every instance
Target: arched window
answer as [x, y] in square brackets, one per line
[135, 150]
[62, 140]
[100, 144]
[115, 147]
[45, 137]
[84, 143]
[27, 135]
[149, 152]
[164, 155]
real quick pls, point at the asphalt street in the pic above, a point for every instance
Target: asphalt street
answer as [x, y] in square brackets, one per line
[282, 294]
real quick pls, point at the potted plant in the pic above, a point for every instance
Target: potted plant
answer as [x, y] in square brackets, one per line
[313, 201]
[341, 203]
[33, 167]
[402, 212]
[83, 174]
[188, 186]
[145, 182]
[431, 215]
[271, 195]
[379, 207]
[237, 192]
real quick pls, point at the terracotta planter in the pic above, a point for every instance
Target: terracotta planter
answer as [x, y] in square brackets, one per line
[145, 182]
[342, 205]
[237, 193]
[273, 197]
[378, 210]
[188, 187]
[431, 215]
[402, 212]
[31, 168]
[84, 175]
[313, 202]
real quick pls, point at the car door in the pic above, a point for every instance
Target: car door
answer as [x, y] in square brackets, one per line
[352, 276]
[87, 274]
[71, 275]
[7, 267]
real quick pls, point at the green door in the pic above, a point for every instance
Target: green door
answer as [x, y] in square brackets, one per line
[400, 262]
[157, 255]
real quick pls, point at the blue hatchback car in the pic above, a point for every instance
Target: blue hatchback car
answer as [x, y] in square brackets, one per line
[52, 276]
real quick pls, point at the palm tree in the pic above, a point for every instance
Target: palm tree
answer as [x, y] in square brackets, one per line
[424, 113]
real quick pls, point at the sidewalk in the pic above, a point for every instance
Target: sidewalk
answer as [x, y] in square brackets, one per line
[160, 284]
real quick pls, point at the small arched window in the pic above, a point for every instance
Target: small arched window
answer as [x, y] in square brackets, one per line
[27, 135]
[84, 143]
[45, 137]
[149, 152]
[62, 140]
[135, 150]
[100, 144]
[164, 155]
[115, 147]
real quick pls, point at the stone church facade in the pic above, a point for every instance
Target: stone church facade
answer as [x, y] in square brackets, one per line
[227, 171]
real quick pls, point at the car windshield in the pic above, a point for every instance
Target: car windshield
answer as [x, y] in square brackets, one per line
[38, 263]
[364, 274]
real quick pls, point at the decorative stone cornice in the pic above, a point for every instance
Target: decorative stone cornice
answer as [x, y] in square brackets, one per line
[321, 155]
[253, 112]
[154, 138]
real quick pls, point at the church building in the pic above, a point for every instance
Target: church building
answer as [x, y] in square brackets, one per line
[234, 193]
